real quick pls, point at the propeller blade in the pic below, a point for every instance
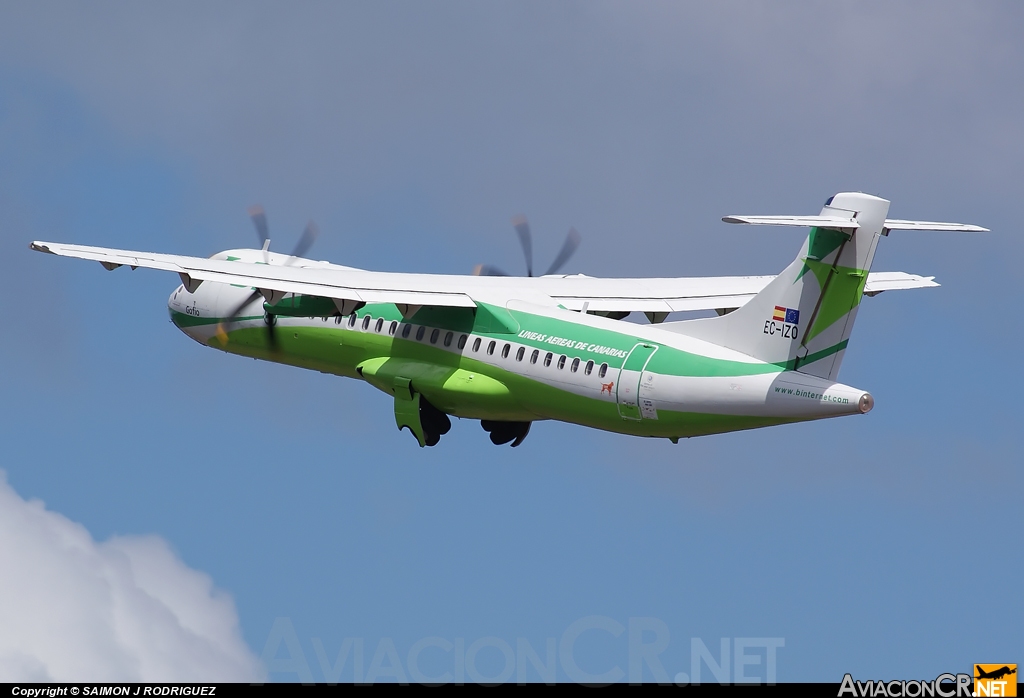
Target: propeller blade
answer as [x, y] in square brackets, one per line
[259, 219]
[242, 306]
[271, 322]
[522, 227]
[221, 332]
[309, 236]
[572, 241]
[487, 270]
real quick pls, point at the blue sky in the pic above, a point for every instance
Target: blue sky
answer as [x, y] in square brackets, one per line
[412, 133]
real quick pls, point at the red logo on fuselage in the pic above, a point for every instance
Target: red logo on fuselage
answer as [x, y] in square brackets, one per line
[608, 387]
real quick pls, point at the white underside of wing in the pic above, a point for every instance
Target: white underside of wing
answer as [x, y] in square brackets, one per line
[655, 295]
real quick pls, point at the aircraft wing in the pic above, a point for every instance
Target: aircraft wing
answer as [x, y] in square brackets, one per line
[690, 293]
[342, 283]
[651, 295]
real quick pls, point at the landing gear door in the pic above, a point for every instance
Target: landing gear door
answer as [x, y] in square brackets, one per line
[628, 393]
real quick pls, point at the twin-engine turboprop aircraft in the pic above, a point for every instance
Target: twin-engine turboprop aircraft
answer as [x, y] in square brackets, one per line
[513, 350]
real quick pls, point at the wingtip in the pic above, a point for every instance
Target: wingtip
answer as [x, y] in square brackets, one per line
[40, 247]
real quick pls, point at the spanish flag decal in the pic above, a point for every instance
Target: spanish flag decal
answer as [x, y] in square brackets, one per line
[790, 315]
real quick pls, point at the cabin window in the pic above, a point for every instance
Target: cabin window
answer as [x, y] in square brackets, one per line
[575, 365]
[366, 322]
[476, 344]
[519, 354]
[448, 339]
[337, 320]
[393, 327]
[561, 362]
[588, 368]
[462, 342]
[419, 332]
[379, 326]
[534, 355]
[547, 359]
[352, 320]
[504, 350]
[604, 370]
[433, 336]
[405, 331]
[490, 347]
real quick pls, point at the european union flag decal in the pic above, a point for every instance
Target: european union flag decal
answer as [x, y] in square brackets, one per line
[787, 315]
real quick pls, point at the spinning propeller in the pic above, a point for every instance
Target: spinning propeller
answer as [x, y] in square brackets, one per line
[522, 226]
[259, 219]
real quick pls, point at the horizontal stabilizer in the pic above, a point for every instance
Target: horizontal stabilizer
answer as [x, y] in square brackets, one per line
[839, 222]
[895, 224]
[879, 281]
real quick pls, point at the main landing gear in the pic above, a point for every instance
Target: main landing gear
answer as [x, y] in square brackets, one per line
[435, 423]
[503, 432]
[427, 423]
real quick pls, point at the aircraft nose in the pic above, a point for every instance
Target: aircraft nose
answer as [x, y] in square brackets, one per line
[189, 314]
[174, 306]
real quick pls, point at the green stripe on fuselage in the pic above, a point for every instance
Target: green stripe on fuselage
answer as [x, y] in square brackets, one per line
[330, 346]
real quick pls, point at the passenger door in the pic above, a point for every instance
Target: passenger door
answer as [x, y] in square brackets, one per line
[627, 392]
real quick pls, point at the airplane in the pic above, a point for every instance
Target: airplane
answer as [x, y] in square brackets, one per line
[996, 673]
[509, 351]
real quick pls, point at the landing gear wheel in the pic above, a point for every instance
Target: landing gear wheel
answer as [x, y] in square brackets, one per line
[435, 422]
[504, 432]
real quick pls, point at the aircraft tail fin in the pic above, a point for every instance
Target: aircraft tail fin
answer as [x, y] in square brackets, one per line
[802, 320]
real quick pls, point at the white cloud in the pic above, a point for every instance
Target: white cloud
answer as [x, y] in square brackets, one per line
[123, 609]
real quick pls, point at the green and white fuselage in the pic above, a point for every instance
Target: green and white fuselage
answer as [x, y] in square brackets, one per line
[524, 363]
[511, 351]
